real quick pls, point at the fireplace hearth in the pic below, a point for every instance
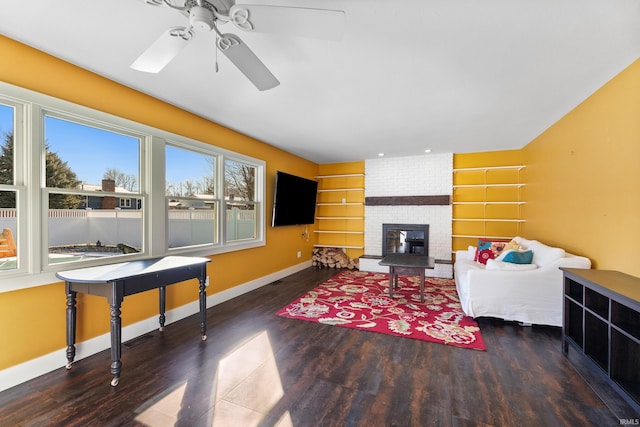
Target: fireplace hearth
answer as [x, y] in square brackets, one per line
[405, 238]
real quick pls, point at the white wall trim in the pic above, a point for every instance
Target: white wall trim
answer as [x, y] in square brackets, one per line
[31, 369]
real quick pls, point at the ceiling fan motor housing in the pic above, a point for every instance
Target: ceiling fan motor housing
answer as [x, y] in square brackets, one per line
[201, 18]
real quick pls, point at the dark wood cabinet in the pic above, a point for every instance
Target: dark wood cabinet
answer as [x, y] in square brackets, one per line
[602, 322]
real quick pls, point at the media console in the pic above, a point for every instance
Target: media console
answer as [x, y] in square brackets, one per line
[602, 322]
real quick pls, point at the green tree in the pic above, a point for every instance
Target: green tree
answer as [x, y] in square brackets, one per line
[7, 198]
[58, 175]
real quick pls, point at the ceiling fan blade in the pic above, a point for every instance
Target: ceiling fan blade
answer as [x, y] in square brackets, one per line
[163, 50]
[247, 62]
[293, 21]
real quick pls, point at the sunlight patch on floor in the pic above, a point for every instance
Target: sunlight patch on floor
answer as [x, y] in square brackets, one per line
[245, 391]
[249, 384]
[164, 412]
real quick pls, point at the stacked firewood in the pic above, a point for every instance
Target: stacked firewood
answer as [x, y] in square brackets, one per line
[332, 258]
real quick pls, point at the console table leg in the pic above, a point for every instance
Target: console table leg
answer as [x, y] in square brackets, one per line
[163, 303]
[116, 344]
[203, 308]
[71, 326]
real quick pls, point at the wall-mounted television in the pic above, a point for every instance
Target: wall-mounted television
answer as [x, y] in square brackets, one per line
[294, 202]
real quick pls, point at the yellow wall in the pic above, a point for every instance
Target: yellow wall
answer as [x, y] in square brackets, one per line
[583, 176]
[33, 320]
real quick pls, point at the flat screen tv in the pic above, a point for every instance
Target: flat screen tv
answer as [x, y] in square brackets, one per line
[294, 202]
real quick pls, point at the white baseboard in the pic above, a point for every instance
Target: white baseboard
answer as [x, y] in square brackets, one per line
[26, 371]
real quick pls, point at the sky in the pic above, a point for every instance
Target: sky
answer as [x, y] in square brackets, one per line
[89, 151]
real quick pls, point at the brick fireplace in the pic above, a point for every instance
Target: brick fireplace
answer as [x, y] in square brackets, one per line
[408, 187]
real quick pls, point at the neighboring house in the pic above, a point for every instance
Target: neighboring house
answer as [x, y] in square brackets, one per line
[102, 202]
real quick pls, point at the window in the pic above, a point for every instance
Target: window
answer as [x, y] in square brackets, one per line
[82, 188]
[190, 190]
[85, 189]
[240, 200]
[8, 190]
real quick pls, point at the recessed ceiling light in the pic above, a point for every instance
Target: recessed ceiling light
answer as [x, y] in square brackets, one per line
[380, 154]
[428, 150]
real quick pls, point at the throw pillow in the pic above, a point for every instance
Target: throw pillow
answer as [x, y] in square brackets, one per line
[519, 257]
[489, 249]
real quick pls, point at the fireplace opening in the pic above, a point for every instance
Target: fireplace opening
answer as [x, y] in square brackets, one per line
[405, 238]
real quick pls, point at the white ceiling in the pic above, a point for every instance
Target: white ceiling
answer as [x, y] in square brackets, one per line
[408, 75]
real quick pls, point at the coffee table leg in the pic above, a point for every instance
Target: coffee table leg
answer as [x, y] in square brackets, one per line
[422, 285]
[392, 282]
[71, 326]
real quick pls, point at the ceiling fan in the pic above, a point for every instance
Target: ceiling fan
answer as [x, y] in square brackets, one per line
[206, 15]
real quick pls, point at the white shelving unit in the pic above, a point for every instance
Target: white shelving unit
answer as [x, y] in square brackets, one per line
[485, 201]
[336, 205]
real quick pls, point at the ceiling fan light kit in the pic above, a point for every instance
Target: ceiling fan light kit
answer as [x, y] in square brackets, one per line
[205, 16]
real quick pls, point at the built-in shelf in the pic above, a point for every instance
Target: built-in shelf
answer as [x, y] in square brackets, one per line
[490, 168]
[488, 219]
[469, 236]
[488, 202]
[338, 246]
[340, 212]
[340, 217]
[344, 175]
[338, 232]
[335, 190]
[487, 185]
[339, 204]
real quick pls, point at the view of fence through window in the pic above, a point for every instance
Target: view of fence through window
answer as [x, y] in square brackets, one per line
[8, 253]
[95, 207]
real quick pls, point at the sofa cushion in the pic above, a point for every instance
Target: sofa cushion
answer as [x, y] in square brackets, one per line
[492, 264]
[489, 249]
[544, 255]
[519, 257]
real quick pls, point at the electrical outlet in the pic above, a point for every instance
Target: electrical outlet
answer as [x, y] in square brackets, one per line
[299, 254]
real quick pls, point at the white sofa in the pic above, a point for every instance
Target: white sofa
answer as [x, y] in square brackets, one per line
[527, 293]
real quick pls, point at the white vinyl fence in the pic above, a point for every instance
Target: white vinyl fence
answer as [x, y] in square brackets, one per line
[113, 226]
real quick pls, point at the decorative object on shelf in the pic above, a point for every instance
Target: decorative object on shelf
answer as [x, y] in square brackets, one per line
[360, 300]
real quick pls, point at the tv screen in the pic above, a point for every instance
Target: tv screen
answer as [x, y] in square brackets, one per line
[294, 202]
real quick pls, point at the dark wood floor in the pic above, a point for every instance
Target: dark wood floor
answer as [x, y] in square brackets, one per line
[257, 369]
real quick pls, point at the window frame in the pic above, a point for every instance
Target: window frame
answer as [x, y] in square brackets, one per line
[32, 194]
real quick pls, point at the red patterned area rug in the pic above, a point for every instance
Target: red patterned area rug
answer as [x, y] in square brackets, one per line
[360, 300]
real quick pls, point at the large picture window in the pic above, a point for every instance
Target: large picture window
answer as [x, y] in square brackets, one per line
[90, 172]
[81, 188]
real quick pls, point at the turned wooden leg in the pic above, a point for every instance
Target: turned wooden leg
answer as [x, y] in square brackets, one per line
[203, 308]
[71, 326]
[116, 343]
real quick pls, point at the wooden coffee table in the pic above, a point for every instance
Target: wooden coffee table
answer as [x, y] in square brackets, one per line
[410, 264]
